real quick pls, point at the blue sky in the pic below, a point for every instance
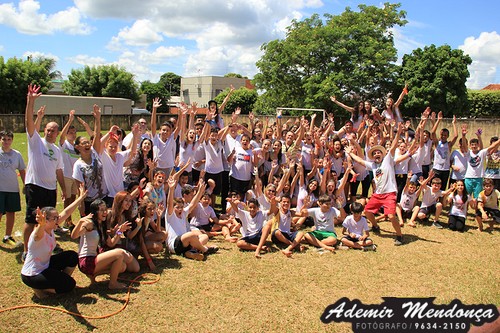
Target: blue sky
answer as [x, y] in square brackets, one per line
[214, 37]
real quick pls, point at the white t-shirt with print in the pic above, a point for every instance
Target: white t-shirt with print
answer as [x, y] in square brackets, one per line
[44, 159]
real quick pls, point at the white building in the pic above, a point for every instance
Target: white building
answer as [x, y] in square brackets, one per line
[202, 89]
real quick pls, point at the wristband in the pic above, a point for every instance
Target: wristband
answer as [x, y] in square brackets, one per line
[119, 233]
[149, 260]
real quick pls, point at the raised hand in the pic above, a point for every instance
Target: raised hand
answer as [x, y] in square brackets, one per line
[96, 111]
[156, 103]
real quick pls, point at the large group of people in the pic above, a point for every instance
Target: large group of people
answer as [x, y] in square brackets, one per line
[290, 183]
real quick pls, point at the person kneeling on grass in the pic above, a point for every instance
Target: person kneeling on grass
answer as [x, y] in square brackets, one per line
[325, 217]
[355, 230]
[182, 239]
[283, 235]
[42, 271]
[254, 225]
[92, 231]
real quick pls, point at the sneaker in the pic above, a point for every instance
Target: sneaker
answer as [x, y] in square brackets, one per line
[61, 230]
[212, 250]
[398, 241]
[343, 247]
[195, 255]
[9, 240]
[437, 225]
[23, 256]
[376, 229]
[372, 247]
[58, 249]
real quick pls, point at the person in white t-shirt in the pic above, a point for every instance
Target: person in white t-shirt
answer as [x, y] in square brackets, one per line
[254, 225]
[182, 239]
[242, 161]
[88, 169]
[45, 166]
[459, 201]
[10, 200]
[385, 184]
[165, 142]
[475, 165]
[355, 229]
[325, 216]
[114, 160]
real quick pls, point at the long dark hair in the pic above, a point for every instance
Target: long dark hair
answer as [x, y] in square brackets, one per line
[141, 165]
[100, 227]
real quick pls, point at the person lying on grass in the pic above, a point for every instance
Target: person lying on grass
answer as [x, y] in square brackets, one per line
[355, 229]
[325, 216]
[255, 226]
[92, 260]
[182, 238]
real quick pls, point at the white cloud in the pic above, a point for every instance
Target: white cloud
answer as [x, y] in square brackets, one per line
[485, 54]
[221, 35]
[28, 19]
[142, 33]
[86, 60]
[161, 54]
[37, 54]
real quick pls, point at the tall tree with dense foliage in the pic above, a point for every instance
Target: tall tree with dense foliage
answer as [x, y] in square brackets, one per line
[16, 74]
[436, 77]
[243, 97]
[172, 83]
[153, 90]
[102, 81]
[345, 55]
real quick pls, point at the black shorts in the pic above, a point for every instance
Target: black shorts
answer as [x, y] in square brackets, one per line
[179, 248]
[217, 178]
[254, 239]
[428, 210]
[353, 239]
[288, 235]
[206, 227]
[493, 213]
[406, 214]
[239, 186]
[37, 196]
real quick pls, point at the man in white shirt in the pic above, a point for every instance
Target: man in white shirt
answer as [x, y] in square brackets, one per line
[45, 166]
[385, 184]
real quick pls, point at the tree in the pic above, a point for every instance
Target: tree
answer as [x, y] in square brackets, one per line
[345, 55]
[235, 75]
[484, 103]
[153, 90]
[436, 77]
[102, 81]
[172, 83]
[243, 97]
[15, 75]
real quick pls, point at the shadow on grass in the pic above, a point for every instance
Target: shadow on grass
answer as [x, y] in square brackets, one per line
[407, 238]
[13, 249]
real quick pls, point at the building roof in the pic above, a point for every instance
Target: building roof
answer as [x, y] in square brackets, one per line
[492, 87]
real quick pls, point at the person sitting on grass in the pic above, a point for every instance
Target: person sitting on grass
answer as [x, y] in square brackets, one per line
[407, 208]
[182, 239]
[205, 219]
[355, 229]
[459, 201]
[431, 202]
[324, 217]
[487, 205]
[254, 225]
[283, 235]
[42, 271]
[92, 261]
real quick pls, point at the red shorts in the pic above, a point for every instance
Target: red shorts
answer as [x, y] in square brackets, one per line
[87, 265]
[388, 200]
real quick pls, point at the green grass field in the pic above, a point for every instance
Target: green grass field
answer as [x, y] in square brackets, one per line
[234, 292]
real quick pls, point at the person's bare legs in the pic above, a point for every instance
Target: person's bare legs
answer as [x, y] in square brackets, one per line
[112, 261]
